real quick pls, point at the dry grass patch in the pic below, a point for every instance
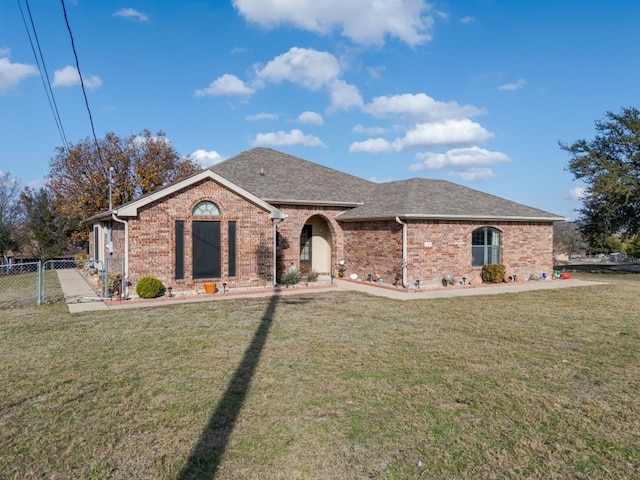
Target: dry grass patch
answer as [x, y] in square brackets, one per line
[539, 384]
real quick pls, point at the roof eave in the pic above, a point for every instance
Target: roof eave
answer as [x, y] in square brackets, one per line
[321, 203]
[131, 209]
[487, 218]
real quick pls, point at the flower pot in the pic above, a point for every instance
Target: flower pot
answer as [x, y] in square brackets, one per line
[210, 287]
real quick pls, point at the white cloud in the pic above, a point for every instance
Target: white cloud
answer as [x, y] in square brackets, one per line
[459, 158]
[228, 85]
[11, 74]
[294, 137]
[311, 118]
[363, 21]
[470, 164]
[344, 96]
[314, 70]
[446, 133]
[69, 77]
[307, 67]
[467, 19]
[372, 145]
[419, 108]
[5, 52]
[368, 130]
[206, 158]
[132, 14]
[578, 193]
[475, 174]
[262, 116]
[518, 85]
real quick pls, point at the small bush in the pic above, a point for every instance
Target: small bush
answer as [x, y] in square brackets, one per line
[114, 283]
[290, 277]
[149, 287]
[312, 276]
[493, 273]
[81, 259]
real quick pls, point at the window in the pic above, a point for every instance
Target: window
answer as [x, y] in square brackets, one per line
[485, 248]
[205, 208]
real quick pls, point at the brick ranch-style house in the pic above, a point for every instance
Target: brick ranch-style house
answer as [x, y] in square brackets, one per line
[245, 220]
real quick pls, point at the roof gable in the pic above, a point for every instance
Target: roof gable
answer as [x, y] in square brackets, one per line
[131, 209]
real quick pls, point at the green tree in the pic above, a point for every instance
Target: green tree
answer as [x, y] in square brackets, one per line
[9, 213]
[137, 165]
[609, 165]
[48, 228]
[632, 248]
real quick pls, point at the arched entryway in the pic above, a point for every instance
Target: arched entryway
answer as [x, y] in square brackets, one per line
[315, 246]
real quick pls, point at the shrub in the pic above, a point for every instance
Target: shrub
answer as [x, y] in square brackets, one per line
[149, 287]
[81, 259]
[290, 277]
[312, 276]
[493, 273]
[114, 283]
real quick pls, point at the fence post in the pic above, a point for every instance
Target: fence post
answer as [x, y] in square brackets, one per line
[39, 287]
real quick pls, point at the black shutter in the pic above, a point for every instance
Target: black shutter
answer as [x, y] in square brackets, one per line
[232, 249]
[179, 264]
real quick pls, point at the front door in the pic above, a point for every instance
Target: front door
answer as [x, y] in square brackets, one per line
[206, 249]
[305, 249]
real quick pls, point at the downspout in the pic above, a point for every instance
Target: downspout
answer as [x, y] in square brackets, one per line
[125, 277]
[405, 283]
[276, 222]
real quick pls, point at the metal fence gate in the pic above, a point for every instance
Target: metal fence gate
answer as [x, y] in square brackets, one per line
[23, 284]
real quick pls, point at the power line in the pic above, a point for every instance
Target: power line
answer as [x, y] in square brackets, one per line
[84, 92]
[43, 68]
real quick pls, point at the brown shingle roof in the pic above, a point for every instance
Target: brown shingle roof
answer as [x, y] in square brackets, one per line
[423, 198]
[277, 177]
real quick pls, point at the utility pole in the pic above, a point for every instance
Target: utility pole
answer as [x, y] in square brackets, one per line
[111, 170]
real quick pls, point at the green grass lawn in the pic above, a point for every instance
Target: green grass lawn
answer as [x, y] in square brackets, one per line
[329, 385]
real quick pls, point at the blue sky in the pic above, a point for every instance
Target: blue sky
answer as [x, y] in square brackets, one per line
[477, 92]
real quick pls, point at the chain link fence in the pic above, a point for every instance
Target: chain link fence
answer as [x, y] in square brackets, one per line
[19, 284]
[34, 283]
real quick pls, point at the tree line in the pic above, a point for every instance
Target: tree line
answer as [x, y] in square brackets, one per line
[45, 223]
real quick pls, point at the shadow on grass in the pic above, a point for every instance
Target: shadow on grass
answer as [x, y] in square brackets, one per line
[206, 456]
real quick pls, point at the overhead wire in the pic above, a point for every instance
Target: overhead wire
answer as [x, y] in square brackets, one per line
[46, 82]
[84, 92]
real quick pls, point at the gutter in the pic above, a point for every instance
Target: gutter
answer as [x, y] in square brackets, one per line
[125, 276]
[276, 222]
[404, 252]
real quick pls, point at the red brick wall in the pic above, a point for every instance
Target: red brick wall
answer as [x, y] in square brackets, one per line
[152, 238]
[373, 248]
[437, 248]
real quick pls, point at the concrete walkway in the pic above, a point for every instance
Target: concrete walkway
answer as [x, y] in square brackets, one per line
[80, 297]
[458, 291]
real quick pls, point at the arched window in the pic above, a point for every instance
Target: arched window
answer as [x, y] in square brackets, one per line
[486, 246]
[205, 208]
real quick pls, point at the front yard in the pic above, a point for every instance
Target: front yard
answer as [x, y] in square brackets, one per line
[328, 385]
